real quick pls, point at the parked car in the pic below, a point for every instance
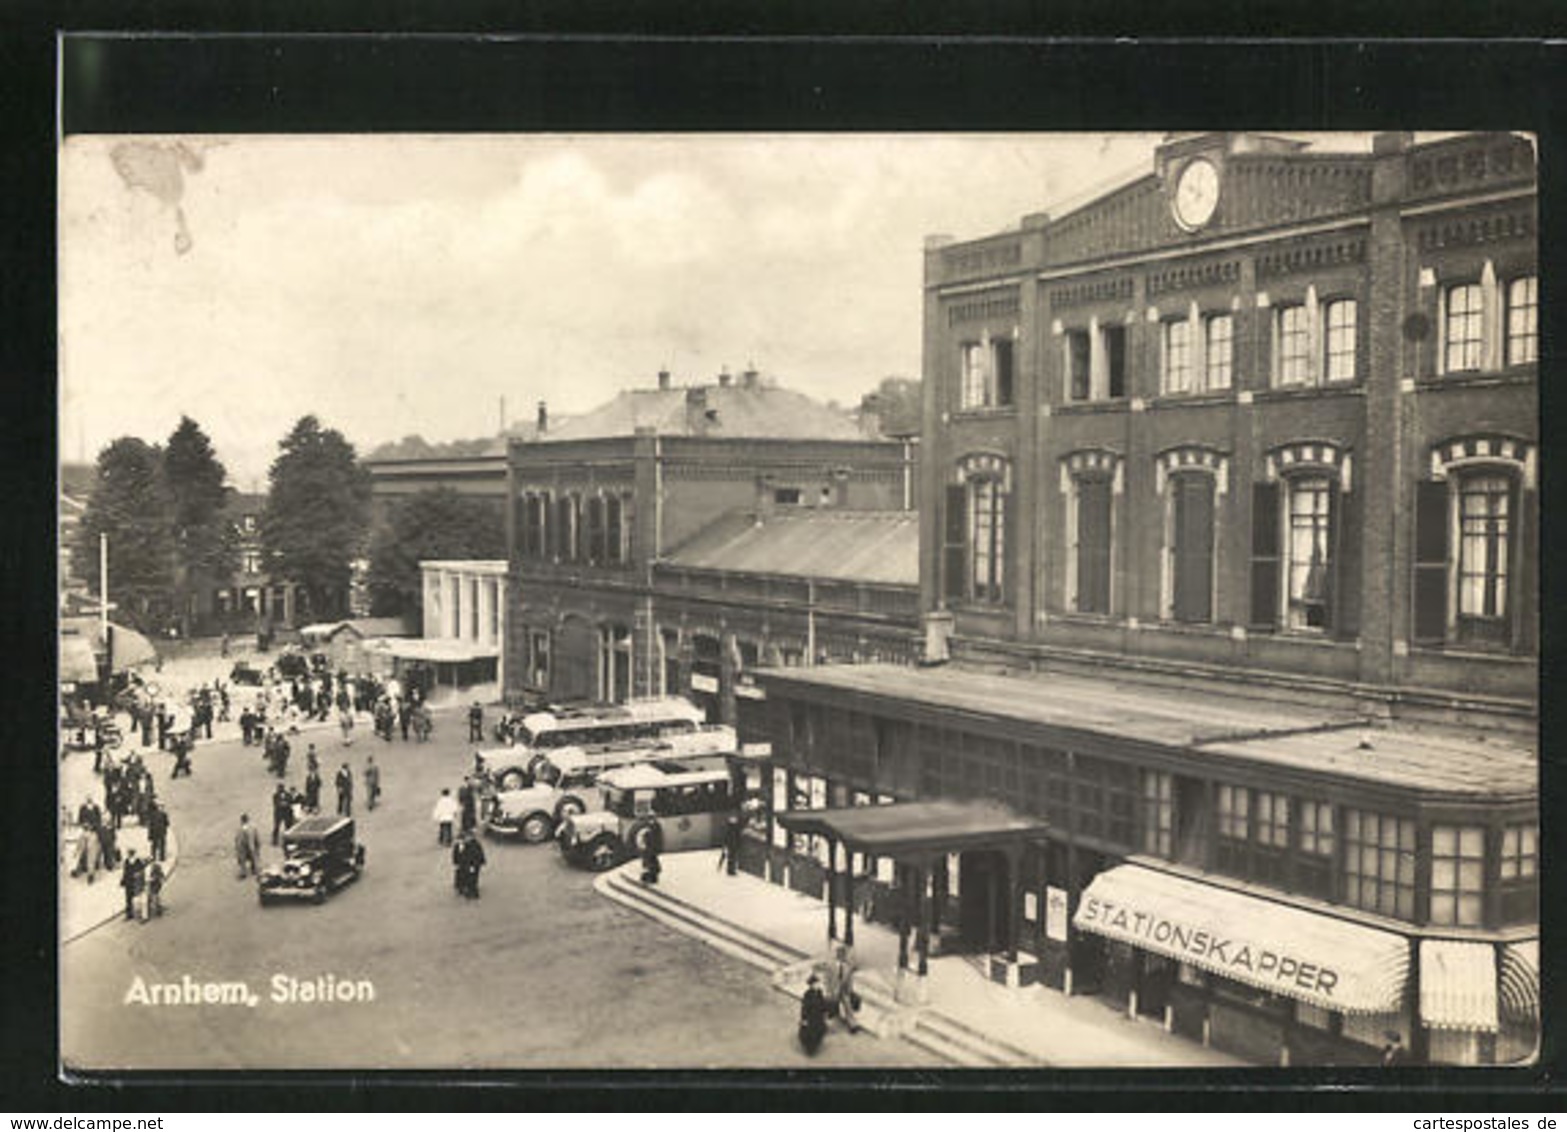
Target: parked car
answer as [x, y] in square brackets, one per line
[683, 803]
[320, 855]
[243, 673]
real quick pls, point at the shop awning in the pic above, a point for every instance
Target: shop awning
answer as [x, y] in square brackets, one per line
[435, 650]
[1304, 955]
[1457, 985]
[130, 648]
[1519, 984]
[915, 827]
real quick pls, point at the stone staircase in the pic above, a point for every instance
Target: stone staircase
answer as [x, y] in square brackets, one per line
[881, 1013]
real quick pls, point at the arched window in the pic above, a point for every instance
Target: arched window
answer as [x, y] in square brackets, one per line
[1189, 479]
[1090, 480]
[1305, 542]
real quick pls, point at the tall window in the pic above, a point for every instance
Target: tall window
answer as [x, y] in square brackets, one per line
[1293, 366]
[1078, 362]
[1113, 341]
[1309, 547]
[567, 541]
[614, 529]
[986, 377]
[987, 539]
[1314, 863]
[1177, 372]
[1523, 342]
[1463, 328]
[1379, 863]
[1484, 503]
[1517, 870]
[1094, 498]
[1457, 874]
[1191, 547]
[1218, 351]
[1234, 828]
[1158, 812]
[1340, 346]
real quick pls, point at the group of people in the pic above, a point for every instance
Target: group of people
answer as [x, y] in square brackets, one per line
[138, 878]
[395, 714]
[289, 804]
[129, 794]
[829, 993]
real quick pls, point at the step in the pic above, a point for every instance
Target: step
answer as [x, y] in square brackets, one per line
[718, 934]
[628, 876]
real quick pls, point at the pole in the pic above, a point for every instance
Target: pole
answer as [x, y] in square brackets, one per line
[103, 602]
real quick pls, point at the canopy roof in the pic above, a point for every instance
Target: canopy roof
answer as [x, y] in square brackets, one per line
[1458, 985]
[912, 827]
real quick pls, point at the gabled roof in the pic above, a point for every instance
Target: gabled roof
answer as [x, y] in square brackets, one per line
[879, 547]
[750, 410]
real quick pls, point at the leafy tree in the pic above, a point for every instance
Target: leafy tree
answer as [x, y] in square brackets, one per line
[317, 513]
[130, 503]
[438, 523]
[896, 404]
[203, 542]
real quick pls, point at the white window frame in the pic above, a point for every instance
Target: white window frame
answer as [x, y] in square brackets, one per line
[1292, 370]
[1522, 331]
[1218, 356]
[978, 373]
[1173, 379]
[1333, 340]
[1293, 618]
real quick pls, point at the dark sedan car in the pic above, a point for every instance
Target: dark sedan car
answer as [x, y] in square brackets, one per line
[320, 856]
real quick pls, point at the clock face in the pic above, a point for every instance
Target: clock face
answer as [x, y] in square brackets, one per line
[1196, 193]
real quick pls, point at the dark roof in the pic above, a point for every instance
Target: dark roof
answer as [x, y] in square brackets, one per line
[318, 825]
[911, 826]
[1287, 736]
[880, 547]
[754, 411]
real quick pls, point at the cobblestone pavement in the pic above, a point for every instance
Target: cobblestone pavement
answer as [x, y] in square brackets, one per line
[540, 973]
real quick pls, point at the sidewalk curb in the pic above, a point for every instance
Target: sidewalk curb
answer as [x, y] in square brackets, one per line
[171, 863]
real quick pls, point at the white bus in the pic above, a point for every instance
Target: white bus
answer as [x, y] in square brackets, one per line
[662, 718]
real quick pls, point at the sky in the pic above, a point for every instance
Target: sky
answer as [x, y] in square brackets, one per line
[399, 285]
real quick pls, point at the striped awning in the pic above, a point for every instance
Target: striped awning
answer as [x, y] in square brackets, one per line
[1288, 951]
[1519, 984]
[1458, 985]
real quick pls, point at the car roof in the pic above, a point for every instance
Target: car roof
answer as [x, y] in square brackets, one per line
[320, 825]
[636, 711]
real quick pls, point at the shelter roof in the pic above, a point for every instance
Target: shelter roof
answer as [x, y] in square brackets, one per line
[1218, 723]
[862, 546]
[910, 827]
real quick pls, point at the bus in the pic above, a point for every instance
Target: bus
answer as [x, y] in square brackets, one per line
[565, 780]
[685, 803]
[661, 718]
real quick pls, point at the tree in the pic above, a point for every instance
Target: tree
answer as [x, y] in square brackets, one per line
[317, 512]
[203, 545]
[896, 405]
[437, 523]
[130, 503]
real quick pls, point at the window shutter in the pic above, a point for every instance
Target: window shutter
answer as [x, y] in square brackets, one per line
[955, 557]
[1431, 542]
[1093, 546]
[1005, 536]
[1527, 571]
[1346, 535]
[1264, 555]
[1193, 528]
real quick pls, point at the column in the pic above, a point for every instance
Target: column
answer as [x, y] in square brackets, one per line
[901, 879]
[832, 891]
[848, 897]
[1015, 896]
[922, 939]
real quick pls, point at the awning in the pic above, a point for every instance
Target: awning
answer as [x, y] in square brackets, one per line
[1303, 955]
[1519, 984]
[1457, 985]
[77, 663]
[914, 827]
[130, 648]
[434, 650]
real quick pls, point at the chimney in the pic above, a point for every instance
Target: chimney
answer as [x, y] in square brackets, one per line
[724, 378]
[544, 418]
[663, 379]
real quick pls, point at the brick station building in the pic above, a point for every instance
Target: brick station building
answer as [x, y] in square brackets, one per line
[1228, 571]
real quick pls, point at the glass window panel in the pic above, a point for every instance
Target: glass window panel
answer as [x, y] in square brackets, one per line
[1219, 351]
[1341, 340]
[1522, 321]
[1294, 346]
[1177, 356]
[1465, 318]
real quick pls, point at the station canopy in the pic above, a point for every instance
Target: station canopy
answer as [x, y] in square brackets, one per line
[903, 828]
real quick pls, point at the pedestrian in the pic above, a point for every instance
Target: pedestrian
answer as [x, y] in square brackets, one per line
[108, 845]
[89, 851]
[405, 714]
[476, 723]
[344, 781]
[466, 803]
[247, 848]
[345, 720]
[444, 814]
[312, 790]
[282, 810]
[312, 762]
[846, 1000]
[652, 843]
[813, 1016]
[182, 748]
[372, 782]
[157, 830]
[154, 889]
[729, 855]
[1393, 1053]
[468, 857]
[223, 646]
[132, 876]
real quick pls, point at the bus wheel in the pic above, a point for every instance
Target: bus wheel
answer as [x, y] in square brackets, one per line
[601, 854]
[640, 834]
[536, 828]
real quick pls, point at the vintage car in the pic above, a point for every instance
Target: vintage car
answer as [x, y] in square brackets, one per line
[320, 855]
[243, 673]
[682, 803]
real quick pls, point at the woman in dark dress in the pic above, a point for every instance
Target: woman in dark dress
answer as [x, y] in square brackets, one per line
[813, 1016]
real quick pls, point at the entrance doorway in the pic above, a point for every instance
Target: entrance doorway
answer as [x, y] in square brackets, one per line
[984, 903]
[1155, 976]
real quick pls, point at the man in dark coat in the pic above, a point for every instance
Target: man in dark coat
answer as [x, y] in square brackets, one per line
[344, 781]
[476, 723]
[313, 790]
[132, 877]
[469, 807]
[157, 830]
[282, 810]
[468, 857]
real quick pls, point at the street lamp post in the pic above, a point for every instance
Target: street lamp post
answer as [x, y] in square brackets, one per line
[103, 602]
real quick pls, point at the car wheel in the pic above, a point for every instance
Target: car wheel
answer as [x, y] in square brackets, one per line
[640, 835]
[536, 828]
[568, 807]
[512, 778]
[602, 854]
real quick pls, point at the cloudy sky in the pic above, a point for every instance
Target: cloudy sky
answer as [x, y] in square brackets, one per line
[400, 285]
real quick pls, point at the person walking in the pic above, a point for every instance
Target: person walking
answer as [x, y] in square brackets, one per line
[344, 782]
[372, 782]
[154, 889]
[345, 721]
[468, 858]
[108, 847]
[466, 802]
[157, 830]
[729, 856]
[132, 877]
[813, 1016]
[405, 714]
[476, 723]
[247, 848]
[312, 790]
[443, 815]
[282, 810]
[89, 852]
[846, 1000]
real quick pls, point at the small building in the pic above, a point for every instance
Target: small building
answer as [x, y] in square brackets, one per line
[465, 618]
[343, 642]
